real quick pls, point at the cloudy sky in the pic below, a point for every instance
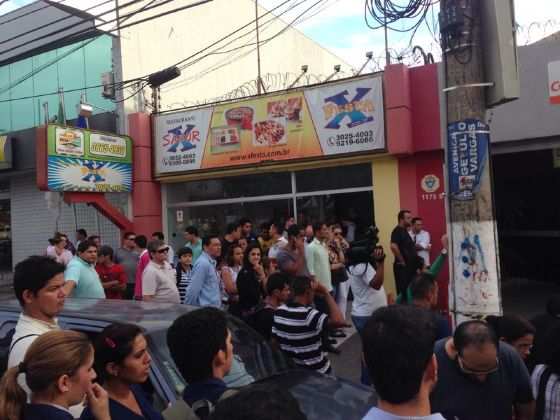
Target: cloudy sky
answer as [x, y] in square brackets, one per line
[339, 24]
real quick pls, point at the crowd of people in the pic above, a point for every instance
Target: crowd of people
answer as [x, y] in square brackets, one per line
[291, 284]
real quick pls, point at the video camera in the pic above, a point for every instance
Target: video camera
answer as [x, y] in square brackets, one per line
[361, 251]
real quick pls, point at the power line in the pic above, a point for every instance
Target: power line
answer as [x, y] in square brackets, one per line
[84, 31]
[30, 12]
[34, 72]
[225, 60]
[38, 28]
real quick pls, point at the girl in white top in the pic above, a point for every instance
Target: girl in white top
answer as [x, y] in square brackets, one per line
[229, 272]
[57, 250]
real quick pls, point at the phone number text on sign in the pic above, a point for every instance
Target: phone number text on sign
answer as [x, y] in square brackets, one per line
[350, 139]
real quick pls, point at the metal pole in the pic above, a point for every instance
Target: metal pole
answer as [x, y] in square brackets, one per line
[475, 283]
[387, 55]
[259, 80]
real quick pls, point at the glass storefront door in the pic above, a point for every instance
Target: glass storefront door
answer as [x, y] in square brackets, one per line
[335, 194]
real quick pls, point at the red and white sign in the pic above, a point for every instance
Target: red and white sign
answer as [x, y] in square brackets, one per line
[554, 82]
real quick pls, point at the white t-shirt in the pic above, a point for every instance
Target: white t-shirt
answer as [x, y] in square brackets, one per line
[366, 298]
[160, 282]
[423, 239]
[27, 330]
[278, 245]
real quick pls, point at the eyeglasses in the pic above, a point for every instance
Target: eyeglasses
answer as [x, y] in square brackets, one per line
[162, 251]
[470, 371]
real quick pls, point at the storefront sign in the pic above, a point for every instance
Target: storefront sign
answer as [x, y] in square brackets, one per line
[554, 82]
[87, 161]
[332, 119]
[466, 153]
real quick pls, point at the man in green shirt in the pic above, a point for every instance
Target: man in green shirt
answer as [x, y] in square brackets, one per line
[81, 279]
[194, 242]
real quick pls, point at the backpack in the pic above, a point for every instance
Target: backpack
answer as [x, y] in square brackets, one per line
[6, 347]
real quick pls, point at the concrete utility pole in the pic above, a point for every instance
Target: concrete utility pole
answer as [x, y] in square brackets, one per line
[475, 285]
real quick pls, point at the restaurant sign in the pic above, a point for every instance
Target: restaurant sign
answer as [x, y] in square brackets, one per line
[86, 161]
[328, 120]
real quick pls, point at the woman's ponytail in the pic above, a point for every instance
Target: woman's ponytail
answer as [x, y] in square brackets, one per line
[12, 396]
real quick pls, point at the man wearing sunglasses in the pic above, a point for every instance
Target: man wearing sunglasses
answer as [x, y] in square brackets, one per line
[158, 279]
[480, 379]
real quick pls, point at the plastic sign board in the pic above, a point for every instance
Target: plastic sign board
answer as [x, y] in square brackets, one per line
[85, 161]
[554, 82]
[332, 119]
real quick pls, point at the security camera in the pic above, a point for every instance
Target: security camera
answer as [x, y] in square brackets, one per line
[337, 68]
[369, 55]
[304, 68]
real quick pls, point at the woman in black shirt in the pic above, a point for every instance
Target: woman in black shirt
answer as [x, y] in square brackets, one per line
[251, 281]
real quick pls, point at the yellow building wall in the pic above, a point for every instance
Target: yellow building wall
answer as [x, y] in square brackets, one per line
[386, 204]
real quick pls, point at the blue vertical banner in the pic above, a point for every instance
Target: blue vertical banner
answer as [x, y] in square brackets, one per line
[467, 153]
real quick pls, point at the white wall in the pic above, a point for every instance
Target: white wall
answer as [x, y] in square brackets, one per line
[159, 43]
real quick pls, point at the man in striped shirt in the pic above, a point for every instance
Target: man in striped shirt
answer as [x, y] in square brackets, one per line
[298, 327]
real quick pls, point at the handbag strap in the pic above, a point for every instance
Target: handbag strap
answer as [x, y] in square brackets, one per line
[541, 393]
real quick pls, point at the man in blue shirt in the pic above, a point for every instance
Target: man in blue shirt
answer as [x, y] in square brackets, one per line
[204, 289]
[82, 281]
[398, 343]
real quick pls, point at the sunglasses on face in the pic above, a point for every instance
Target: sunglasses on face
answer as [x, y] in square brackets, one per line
[469, 371]
[162, 251]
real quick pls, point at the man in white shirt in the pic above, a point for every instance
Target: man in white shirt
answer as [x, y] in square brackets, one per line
[159, 236]
[38, 285]
[421, 239]
[398, 342]
[278, 241]
[158, 279]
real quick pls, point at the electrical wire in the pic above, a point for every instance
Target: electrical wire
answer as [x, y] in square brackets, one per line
[233, 57]
[141, 89]
[50, 23]
[388, 12]
[58, 58]
[86, 30]
[31, 11]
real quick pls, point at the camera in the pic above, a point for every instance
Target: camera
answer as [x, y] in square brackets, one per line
[361, 251]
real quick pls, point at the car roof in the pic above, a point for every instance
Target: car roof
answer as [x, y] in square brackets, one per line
[149, 315]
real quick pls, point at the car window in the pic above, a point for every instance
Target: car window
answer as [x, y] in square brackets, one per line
[254, 358]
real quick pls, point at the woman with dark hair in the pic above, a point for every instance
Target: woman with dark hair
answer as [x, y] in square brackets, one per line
[57, 249]
[514, 330]
[58, 368]
[122, 364]
[230, 271]
[251, 281]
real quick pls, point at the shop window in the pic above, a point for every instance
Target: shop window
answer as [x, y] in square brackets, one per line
[333, 178]
[234, 187]
[214, 219]
[354, 210]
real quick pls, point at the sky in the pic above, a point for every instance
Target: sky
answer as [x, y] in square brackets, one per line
[339, 25]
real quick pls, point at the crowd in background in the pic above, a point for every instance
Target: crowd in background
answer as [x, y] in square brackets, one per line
[291, 283]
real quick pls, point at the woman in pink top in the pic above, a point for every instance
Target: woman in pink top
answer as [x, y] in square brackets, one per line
[57, 250]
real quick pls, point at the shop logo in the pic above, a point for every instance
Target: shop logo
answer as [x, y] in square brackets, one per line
[177, 137]
[430, 183]
[338, 108]
[92, 171]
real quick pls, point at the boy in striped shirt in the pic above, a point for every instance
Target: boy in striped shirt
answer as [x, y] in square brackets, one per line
[298, 328]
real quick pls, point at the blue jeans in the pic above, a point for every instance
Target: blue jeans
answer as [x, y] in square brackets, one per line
[360, 323]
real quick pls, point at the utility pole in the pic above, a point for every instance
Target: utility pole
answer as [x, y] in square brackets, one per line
[475, 284]
[259, 80]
